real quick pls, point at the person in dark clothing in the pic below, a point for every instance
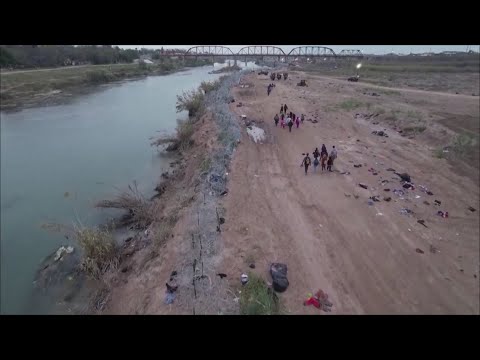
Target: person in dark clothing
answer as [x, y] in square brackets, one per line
[281, 109]
[302, 118]
[285, 108]
[315, 164]
[269, 89]
[316, 153]
[290, 124]
[306, 162]
[276, 119]
[324, 150]
[329, 163]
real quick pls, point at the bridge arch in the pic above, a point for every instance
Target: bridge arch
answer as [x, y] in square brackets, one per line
[312, 51]
[209, 50]
[263, 50]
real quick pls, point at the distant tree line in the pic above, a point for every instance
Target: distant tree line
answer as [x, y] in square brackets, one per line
[32, 56]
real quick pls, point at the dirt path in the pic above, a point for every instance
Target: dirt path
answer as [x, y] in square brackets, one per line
[363, 256]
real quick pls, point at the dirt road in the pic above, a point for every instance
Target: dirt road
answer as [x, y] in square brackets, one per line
[364, 256]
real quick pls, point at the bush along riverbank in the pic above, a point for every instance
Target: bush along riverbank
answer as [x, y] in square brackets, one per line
[44, 86]
[185, 214]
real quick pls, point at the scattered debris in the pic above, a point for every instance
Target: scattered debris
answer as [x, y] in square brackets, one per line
[357, 166]
[370, 202]
[390, 169]
[443, 214]
[347, 195]
[380, 133]
[169, 298]
[406, 211]
[471, 209]
[225, 192]
[345, 173]
[419, 251]
[319, 300]
[221, 220]
[404, 176]
[244, 279]
[429, 193]
[433, 249]
[61, 250]
[438, 202]
[387, 199]
[379, 214]
[375, 198]
[398, 192]
[278, 272]
[426, 202]
[422, 222]
[222, 275]
[363, 185]
[417, 196]
[386, 189]
[251, 266]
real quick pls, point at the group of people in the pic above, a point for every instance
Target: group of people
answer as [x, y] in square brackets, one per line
[288, 119]
[325, 159]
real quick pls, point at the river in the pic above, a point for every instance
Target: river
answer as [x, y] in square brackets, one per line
[56, 161]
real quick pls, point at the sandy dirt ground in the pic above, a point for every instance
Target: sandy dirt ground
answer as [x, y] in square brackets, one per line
[364, 256]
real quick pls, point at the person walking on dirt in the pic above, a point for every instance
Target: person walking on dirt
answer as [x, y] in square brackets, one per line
[306, 162]
[297, 122]
[290, 124]
[302, 118]
[282, 121]
[316, 153]
[329, 163]
[285, 108]
[269, 89]
[276, 119]
[315, 164]
[324, 150]
[323, 159]
[281, 109]
[333, 154]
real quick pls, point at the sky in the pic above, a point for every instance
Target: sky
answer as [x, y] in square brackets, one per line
[366, 49]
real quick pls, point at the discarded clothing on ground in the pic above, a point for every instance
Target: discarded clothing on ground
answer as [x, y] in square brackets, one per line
[320, 301]
[278, 272]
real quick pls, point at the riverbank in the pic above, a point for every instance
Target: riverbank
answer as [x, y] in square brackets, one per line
[401, 261]
[117, 122]
[22, 89]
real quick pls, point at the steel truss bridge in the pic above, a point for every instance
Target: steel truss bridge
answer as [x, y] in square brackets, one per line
[264, 51]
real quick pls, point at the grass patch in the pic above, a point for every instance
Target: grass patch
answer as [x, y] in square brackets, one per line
[257, 298]
[378, 110]
[205, 165]
[99, 250]
[464, 143]
[140, 211]
[439, 154]
[416, 115]
[414, 129]
[208, 86]
[191, 101]
[350, 104]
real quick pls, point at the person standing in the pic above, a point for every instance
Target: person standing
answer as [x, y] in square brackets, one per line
[329, 163]
[282, 121]
[281, 109]
[315, 164]
[324, 150]
[285, 108]
[306, 162]
[276, 119]
[333, 154]
[297, 122]
[303, 118]
[290, 124]
[323, 159]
